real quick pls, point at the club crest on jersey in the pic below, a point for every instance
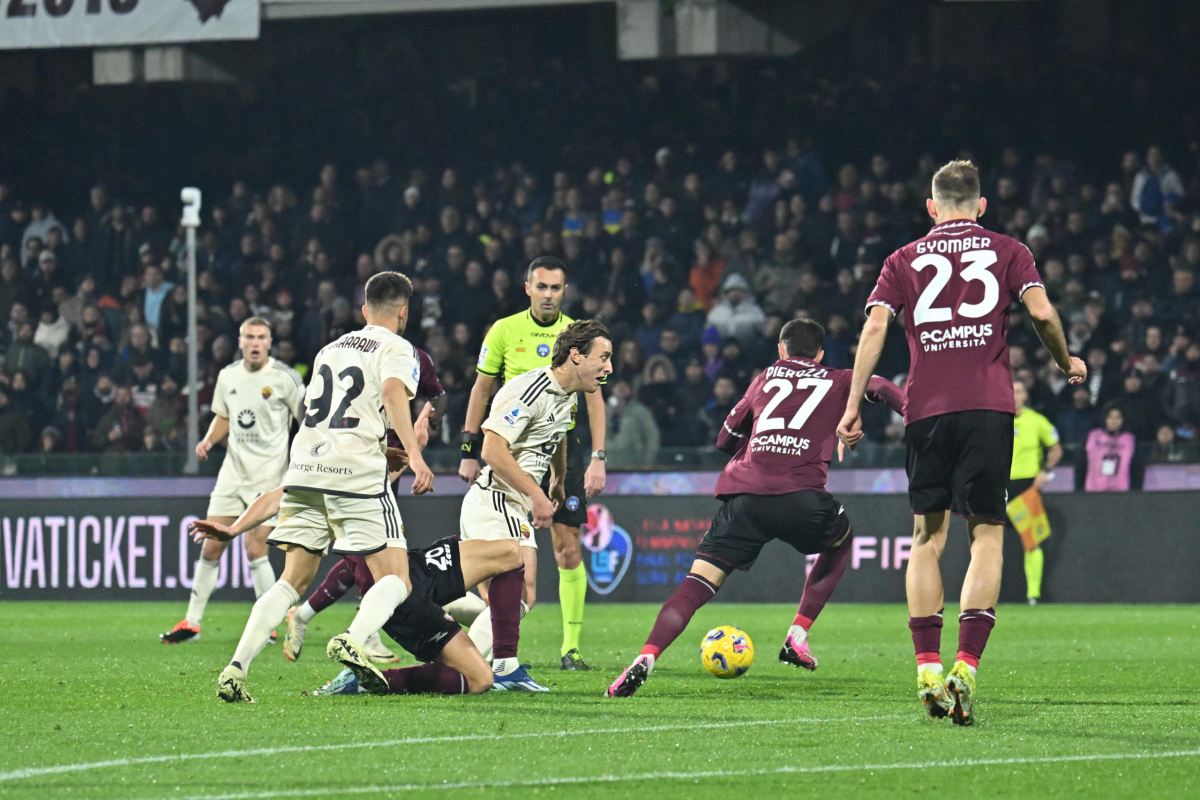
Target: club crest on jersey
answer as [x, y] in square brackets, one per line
[511, 417]
[267, 392]
[525, 532]
[610, 549]
[246, 419]
[482, 356]
[320, 449]
[543, 350]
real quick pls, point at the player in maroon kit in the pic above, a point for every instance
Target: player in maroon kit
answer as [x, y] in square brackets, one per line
[955, 287]
[781, 437]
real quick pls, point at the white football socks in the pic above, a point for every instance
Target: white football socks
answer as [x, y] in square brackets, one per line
[505, 666]
[269, 610]
[377, 606]
[262, 574]
[481, 630]
[305, 612]
[466, 609]
[799, 632]
[203, 583]
[935, 668]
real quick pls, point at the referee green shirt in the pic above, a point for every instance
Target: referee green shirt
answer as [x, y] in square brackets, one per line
[1031, 433]
[519, 344]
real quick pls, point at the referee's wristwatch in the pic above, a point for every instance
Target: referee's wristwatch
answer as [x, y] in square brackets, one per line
[599, 454]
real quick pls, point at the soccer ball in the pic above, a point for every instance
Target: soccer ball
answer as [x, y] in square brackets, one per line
[726, 652]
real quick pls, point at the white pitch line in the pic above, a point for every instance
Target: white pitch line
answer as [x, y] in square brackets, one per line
[684, 776]
[33, 772]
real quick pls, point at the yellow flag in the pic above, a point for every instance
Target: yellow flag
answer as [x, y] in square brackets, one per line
[1028, 516]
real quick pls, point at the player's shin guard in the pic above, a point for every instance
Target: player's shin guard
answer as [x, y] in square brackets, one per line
[504, 597]
[377, 606]
[974, 627]
[262, 574]
[677, 612]
[426, 679]
[203, 582]
[572, 590]
[337, 582]
[927, 640]
[822, 580]
[269, 610]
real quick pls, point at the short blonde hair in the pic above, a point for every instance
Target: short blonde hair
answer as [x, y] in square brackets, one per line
[254, 322]
[956, 184]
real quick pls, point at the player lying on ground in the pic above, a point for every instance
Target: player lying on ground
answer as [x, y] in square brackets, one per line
[955, 286]
[440, 575]
[781, 436]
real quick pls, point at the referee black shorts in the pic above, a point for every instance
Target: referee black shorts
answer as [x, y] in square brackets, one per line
[960, 462]
[808, 520]
[574, 512]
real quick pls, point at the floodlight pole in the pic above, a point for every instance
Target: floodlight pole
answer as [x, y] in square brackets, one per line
[191, 220]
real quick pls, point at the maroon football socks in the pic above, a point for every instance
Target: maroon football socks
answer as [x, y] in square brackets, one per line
[822, 580]
[504, 596]
[425, 679]
[974, 627]
[677, 612]
[337, 582]
[927, 638]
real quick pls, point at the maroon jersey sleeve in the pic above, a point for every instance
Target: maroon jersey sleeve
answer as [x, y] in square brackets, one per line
[734, 433]
[1022, 271]
[889, 288]
[428, 386]
[881, 390]
[782, 433]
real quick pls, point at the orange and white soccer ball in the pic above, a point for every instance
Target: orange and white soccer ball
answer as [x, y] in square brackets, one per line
[727, 652]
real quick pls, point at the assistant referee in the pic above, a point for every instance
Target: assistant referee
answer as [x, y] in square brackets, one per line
[1032, 433]
[515, 345]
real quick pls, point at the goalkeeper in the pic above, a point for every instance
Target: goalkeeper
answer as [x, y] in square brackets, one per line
[1032, 434]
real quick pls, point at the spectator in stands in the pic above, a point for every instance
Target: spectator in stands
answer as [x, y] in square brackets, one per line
[737, 315]
[23, 355]
[660, 393]
[633, 436]
[1156, 190]
[120, 428]
[712, 416]
[16, 433]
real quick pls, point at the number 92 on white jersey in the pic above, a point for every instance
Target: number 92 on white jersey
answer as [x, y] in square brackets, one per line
[340, 447]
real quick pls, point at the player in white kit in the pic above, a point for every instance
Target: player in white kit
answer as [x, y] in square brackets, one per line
[255, 401]
[524, 436]
[336, 487]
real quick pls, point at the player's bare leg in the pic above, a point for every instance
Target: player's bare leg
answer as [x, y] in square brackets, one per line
[300, 567]
[923, 584]
[572, 591]
[981, 590]
[389, 568]
[700, 586]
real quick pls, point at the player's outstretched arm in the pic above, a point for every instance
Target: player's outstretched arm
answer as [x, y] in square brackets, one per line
[395, 403]
[594, 476]
[481, 392]
[870, 346]
[218, 429]
[1050, 331]
[261, 510]
[500, 459]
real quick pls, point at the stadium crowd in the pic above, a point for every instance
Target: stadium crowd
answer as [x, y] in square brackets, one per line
[694, 267]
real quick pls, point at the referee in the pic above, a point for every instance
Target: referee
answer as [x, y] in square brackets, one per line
[1032, 433]
[515, 345]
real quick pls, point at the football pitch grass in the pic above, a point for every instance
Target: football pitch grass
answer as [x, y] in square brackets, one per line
[1095, 701]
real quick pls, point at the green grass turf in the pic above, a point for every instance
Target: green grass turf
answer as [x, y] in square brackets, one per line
[84, 683]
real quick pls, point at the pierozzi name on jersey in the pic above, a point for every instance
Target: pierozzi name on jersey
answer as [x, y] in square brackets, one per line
[786, 372]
